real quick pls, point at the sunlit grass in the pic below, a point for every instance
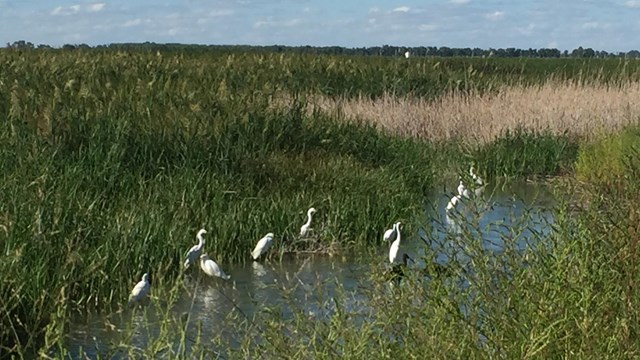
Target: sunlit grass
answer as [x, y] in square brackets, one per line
[113, 161]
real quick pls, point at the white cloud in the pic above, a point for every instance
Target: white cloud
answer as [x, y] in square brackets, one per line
[632, 4]
[220, 12]
[459, 1]
[401, 9]
[61, 10]
[74, 9]
[427, 27]
[134, 22]
[272, 23]
[527, 30]
[552, 44]
[590, 25]
[96, 7]
[496, 15]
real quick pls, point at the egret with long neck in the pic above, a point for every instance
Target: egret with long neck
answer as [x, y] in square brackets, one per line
[395, 246]
[304, 229]
[196, 250]
[391, 234]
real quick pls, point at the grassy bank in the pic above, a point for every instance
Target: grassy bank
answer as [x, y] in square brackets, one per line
[112, 162]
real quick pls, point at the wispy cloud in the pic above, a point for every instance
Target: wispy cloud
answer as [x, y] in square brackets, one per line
[95, 7]
[134, 22]
[68, 10]
[459, 1]
[526, 30]
[632, 4]
[427, 27]
[276, 23]
[494, 16]
[221, 12]
[591, 25]
[401, 9]
[77, 8]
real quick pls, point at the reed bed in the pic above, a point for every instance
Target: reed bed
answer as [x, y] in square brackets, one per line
[113, 160]
[556, 107]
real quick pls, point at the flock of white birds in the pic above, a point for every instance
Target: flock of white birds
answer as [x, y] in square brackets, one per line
[211, 268]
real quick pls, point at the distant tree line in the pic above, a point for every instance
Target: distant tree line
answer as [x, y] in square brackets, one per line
[385, 50]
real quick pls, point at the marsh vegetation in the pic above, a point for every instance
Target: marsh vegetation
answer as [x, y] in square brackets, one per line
[113, 160]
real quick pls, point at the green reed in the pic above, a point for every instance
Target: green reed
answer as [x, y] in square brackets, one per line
[570, 293]
[113, 161]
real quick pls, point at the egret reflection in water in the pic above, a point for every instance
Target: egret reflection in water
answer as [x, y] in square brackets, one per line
[320, 285]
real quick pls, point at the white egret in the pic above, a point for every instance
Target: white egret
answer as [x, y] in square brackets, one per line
[448, 216]
[391, 234]
[211, 268]
[263, 245]
[453, 202]
[304, 229]
[463, 191]
[475, 177]
[140, 290]
[479, 182]
[196, 250]
[395, 247]
[407, 54]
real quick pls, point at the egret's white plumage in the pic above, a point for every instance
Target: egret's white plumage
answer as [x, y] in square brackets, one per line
[395, 247]
[140, 290]
[475, 177]
[453, 202]
[391, 234]
[453, 225]
[463, 191]
[194, 253]
[304, 229]
[407, 54]
[263, 245]
[211, 268]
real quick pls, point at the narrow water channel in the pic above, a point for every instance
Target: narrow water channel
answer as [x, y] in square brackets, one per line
[516, 208]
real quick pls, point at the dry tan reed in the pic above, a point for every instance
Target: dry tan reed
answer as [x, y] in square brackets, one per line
[581, 110]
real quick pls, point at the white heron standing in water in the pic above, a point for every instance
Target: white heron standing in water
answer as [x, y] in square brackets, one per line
[463, 191]
[453, 225]
[395, 246]
[263, 245]
[211, 268]
[304, 229]
[196, 250]
[479, 182]
[140, 290]
[475, 177]
[452, 203]
[391, 234]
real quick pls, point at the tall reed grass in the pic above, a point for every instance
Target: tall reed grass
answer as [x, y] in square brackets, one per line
[575, 108]
[112, 162]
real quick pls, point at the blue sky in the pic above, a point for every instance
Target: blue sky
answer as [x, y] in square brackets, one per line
[611, 25]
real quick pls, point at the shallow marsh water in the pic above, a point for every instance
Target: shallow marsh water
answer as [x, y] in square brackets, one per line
[515, 208]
